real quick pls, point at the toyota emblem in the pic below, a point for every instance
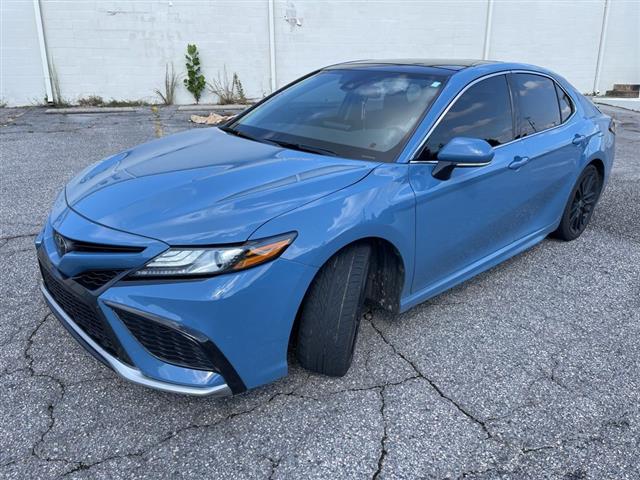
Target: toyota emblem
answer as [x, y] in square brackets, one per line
[61, 244]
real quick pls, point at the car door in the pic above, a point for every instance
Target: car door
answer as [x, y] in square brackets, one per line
[554, 144]
[477, 211]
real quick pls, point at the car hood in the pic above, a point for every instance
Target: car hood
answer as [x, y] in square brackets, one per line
[205, 186]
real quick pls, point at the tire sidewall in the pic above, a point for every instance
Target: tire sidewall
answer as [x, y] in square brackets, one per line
[564, 229]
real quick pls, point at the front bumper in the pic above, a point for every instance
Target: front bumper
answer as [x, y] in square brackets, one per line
[125, 371]
[241, 320]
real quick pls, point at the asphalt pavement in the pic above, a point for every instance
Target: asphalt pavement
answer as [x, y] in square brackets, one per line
[530, 370]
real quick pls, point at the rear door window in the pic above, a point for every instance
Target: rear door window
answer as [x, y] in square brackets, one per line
[538, 108]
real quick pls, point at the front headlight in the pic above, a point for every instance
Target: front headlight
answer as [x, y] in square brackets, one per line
[192, 262]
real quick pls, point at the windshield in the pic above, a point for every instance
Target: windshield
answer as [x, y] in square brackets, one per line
[354, 113]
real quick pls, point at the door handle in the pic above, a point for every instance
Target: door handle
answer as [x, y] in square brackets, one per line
[518, 162]
[578, 139]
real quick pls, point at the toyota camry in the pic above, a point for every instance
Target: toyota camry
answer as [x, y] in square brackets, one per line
[194, 263]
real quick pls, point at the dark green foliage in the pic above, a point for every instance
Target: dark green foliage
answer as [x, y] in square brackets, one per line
[194, 82]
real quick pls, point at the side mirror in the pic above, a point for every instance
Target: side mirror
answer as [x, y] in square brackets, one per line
[462, 152]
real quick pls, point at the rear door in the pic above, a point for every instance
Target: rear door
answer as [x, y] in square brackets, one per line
[554, 145]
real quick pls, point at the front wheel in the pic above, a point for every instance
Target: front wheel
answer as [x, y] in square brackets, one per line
[331, 312]
[581, 204]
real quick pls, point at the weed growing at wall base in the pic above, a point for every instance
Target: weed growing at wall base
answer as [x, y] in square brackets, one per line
[91, 101]
[98, 101]
[228, 91]
[170, 83]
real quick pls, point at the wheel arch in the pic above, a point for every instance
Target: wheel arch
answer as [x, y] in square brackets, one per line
[386, 279]
[599, 164]
[387, 273]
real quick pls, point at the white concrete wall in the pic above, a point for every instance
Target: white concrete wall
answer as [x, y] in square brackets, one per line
[119, 49]
[21, 73]
[336, 31]
[562, 36]
[621, 59]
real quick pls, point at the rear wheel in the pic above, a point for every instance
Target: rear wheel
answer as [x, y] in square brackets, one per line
[330, 316]
[581, 204]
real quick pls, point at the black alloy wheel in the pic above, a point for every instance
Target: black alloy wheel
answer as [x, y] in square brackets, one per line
[582, 202]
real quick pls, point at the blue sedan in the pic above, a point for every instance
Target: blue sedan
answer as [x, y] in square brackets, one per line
[196, 262]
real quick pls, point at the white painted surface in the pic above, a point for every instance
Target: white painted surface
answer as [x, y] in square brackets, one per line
[562, 36]
[42, 47]
[119, 49]
[628, 103]
[621, 59]
[337, 31]
[21, 75]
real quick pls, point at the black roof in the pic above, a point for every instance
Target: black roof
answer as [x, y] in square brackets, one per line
[449, 64]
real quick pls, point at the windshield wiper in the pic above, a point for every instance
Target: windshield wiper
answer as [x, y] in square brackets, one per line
[305, 148]
[237, 133]
[280, 143]
[241, 134]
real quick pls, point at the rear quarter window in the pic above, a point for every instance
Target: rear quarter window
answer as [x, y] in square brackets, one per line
[566, 105]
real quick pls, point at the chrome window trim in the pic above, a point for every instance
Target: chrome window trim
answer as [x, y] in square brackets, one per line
[463, 165]
[469, 85]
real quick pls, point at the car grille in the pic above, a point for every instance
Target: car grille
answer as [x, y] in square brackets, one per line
[83, 314]
[90, 247]
[94, 279]
[166, 343]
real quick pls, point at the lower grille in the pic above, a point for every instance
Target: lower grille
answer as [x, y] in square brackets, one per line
[166, 343]
[94, 279]
[83, 314]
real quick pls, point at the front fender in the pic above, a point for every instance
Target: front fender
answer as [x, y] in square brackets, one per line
[382, 205]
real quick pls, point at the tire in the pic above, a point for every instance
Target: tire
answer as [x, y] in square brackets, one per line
[330, 315]
[581, 204]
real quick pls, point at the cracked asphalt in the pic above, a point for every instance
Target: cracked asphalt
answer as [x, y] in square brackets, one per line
[530, 370]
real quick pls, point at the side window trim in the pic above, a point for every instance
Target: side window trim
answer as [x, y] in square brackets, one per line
[555, 87]
[515, 107]
[418, 150]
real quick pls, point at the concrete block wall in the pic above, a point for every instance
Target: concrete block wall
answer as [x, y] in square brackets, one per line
[21, 74]
[562, 36]
[621, 59]
[119, 49]
[336, 31]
